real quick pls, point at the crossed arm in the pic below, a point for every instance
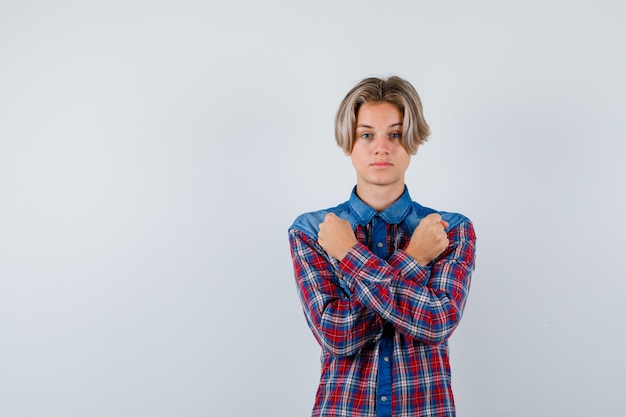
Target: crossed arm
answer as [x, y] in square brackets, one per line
[347, 301]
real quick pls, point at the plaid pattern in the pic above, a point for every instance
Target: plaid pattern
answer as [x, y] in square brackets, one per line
[349, 304]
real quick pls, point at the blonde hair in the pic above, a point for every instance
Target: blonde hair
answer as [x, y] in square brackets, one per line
[394, 90]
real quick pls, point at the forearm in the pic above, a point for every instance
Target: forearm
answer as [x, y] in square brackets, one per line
[424, 303]
[342, 327]
[340, 323]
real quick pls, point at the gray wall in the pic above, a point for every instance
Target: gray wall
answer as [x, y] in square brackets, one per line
[153, 155]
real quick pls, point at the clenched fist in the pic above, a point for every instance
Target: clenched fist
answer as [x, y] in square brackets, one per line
[429, 239]
[336, 236]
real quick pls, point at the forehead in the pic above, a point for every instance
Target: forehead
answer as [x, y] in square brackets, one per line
[377, 113]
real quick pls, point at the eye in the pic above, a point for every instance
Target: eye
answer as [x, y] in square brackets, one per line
[366, 135]
[395, 135]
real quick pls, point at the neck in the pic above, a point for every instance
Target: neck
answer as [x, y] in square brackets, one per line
[379, 197]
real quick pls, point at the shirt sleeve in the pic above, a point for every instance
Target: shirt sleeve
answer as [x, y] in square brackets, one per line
[425, 304]
[341, 324]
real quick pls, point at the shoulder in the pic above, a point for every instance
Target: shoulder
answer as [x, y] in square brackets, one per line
[418, 212]
[454, 219]
[308, 223]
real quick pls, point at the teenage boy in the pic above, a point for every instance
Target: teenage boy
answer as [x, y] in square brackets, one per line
[382, 280]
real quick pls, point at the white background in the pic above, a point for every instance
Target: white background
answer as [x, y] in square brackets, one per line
[154, 153]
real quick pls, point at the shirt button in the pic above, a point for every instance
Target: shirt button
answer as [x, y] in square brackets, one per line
[383, 398]
[380, 245]
[386, 358]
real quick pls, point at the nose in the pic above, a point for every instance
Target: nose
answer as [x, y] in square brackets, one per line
[381, 144]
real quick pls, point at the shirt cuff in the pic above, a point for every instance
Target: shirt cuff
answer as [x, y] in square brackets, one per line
[358, 257]
[409, 268]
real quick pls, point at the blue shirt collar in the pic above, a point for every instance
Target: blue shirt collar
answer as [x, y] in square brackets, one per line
[393, 214]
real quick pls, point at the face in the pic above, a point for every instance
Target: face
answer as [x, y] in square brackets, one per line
[377, 155]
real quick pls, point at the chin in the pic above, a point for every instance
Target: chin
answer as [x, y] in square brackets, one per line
[384, 183]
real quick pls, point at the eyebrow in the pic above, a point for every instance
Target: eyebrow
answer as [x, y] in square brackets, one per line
[370, 127]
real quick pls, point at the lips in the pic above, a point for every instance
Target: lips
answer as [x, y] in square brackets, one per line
[381, 164]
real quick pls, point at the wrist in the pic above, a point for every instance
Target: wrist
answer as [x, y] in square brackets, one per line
[345, 252]
[423, 261]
